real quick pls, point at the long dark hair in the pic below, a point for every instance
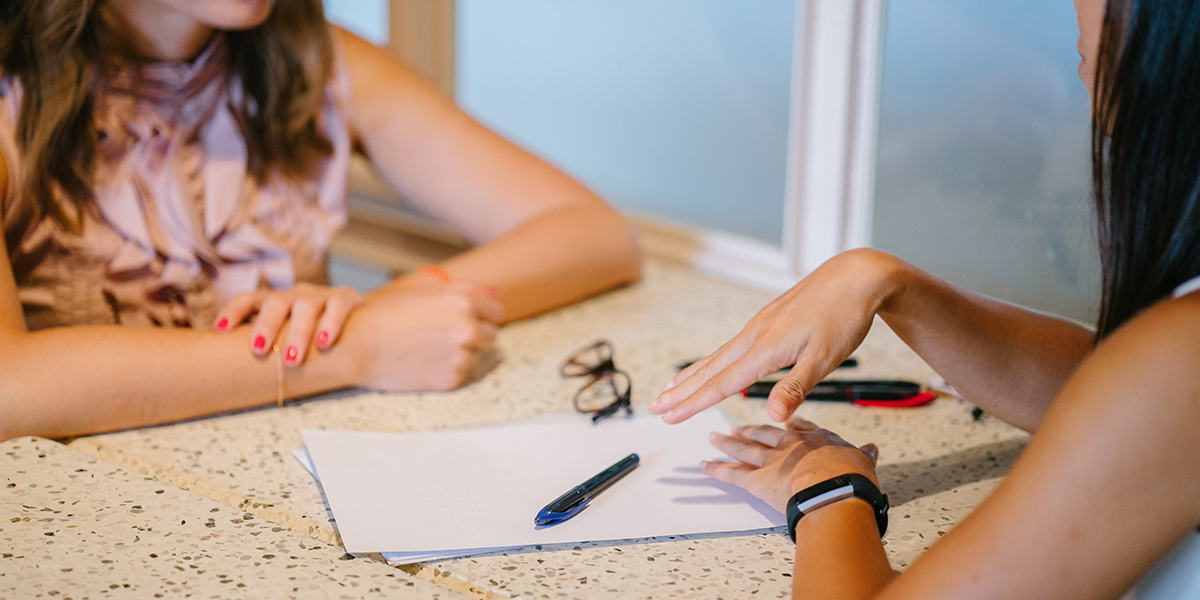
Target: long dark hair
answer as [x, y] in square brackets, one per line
[1146, 153]
[52, 45]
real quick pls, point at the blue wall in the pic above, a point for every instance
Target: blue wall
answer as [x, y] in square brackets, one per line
[366, 18]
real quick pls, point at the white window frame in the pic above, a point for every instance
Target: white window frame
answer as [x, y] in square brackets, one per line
[833, 130]
[832, 141]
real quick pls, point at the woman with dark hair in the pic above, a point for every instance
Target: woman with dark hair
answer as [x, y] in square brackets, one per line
[172, 175]
[1110, 482]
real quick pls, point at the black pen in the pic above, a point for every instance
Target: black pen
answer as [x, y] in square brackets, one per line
[863, 392]
[846, 364]
[571, 503]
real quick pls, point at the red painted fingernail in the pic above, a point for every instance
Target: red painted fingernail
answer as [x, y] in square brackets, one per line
[291, 354]
[260, 342]
[222, 324]
[322, 338]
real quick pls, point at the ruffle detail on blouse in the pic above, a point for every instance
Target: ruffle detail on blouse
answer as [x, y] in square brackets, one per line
[180, 226]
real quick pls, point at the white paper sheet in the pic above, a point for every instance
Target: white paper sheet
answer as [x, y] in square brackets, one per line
[398, 558]
[453, 492]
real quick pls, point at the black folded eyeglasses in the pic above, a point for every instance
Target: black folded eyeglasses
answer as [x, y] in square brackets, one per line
[608, 390]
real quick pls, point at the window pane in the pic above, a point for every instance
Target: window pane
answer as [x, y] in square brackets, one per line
[673, 108]
[367, 19]
[984, 149]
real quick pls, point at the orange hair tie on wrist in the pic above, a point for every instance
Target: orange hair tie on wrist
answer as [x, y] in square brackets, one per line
[435, 271]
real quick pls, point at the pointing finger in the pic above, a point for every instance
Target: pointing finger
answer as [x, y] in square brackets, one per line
[727, 382]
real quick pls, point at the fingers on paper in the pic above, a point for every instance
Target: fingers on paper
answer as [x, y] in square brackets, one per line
[732, 473]
[763, 434]
[742, 449]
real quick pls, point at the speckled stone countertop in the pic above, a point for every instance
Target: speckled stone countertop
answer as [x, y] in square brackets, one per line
[77, 527]
[936, 462]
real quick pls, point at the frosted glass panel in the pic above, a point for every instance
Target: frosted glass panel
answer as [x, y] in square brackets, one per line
[984, 149]
[675, 108]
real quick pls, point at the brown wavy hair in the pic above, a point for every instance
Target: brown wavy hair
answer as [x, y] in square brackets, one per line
[52, 45]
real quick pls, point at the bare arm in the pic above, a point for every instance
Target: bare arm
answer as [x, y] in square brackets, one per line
[1010, 361]
[1102, 492]
[544, 239]
[76, 380]
[1106, 487]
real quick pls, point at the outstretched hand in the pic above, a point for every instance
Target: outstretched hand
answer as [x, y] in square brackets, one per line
[774, 464]
[814, 326]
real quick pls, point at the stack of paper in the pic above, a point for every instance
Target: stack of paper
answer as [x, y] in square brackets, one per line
[438, 494]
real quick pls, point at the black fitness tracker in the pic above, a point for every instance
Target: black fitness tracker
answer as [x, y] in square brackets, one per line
[827, 492]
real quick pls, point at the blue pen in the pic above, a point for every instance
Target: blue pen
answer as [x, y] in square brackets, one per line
[571, 503]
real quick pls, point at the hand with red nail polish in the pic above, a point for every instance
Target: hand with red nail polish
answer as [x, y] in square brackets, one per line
[305, 309]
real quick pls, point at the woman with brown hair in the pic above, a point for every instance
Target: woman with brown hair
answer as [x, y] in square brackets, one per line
[173, 168]
[1110, 482]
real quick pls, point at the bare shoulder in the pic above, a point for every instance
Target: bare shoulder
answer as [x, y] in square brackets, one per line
[1106, 486]
[1152, 359]
[366, 60]
[384, 90]
[1163, 339]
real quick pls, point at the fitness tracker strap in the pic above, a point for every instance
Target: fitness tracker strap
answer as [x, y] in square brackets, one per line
[827, 492]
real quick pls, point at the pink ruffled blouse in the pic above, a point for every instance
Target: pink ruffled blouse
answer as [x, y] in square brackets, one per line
[180, 226]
